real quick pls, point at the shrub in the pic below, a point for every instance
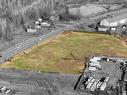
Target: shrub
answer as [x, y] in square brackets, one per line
[32, 14]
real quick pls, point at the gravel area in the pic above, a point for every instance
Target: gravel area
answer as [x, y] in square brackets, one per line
[36, 83]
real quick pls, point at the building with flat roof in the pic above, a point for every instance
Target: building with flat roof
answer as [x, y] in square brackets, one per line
[103, 75]
[114, 21]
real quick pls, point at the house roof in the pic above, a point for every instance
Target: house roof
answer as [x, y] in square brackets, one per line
[31, 23]
[117, 18]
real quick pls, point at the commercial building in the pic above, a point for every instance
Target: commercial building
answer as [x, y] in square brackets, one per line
[113, 22]
[104, 76]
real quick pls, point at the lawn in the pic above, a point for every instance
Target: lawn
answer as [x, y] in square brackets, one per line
[66, 53]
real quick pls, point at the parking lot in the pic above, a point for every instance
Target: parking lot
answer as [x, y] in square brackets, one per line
[101, 73]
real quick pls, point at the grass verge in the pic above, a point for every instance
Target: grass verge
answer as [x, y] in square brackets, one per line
[66, 53]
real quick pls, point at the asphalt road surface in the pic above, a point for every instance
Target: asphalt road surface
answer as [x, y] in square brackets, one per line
[21, 35]
[32, 83]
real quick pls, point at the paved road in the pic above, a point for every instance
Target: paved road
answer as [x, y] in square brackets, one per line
[19, 36]
[31, 83]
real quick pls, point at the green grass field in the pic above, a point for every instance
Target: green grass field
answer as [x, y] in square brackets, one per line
[66, 53]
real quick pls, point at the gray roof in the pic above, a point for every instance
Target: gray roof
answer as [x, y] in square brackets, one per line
[117, 18]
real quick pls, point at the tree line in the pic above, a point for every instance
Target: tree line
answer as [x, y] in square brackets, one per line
[15, 13]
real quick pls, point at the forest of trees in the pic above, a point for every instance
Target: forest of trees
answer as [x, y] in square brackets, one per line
[15, 13]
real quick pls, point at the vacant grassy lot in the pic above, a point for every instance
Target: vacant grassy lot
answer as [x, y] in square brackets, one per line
[66, 53]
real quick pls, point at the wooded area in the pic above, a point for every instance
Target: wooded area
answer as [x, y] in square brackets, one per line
[15, 13]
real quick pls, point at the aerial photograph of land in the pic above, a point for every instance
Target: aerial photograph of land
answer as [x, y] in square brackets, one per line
[63, 47]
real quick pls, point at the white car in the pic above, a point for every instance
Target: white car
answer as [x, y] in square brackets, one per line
[37, 26]
[45, 24]
[30, 30]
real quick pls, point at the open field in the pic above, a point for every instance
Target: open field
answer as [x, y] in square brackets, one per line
[66, 53]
